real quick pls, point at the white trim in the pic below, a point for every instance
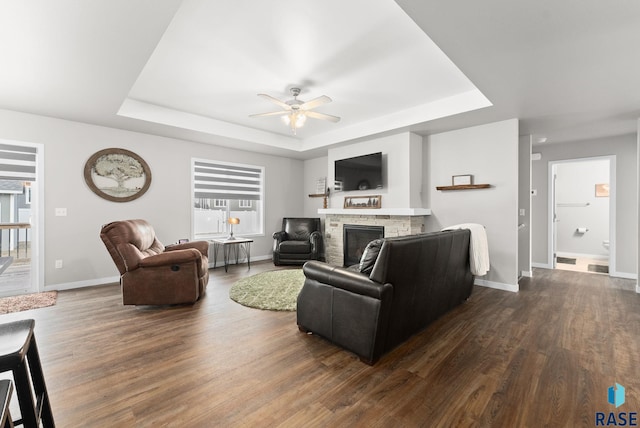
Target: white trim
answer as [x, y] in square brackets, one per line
[624, 275]
[37, 238]
[612, 206]
[582, 255]
[638, 288]
[259, 202]
[541, 265]
[81, 284]
[379, 211]
[527, 273]
[497, 285]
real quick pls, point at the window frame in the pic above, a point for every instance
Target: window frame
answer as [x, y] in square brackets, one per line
[260, 207]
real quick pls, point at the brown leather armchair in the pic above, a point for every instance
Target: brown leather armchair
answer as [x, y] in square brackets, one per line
[299, 240]
[150, 273]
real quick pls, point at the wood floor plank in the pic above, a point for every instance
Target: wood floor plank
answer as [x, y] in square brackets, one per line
[542, 357]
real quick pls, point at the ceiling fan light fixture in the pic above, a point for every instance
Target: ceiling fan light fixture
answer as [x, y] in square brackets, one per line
[295, 111]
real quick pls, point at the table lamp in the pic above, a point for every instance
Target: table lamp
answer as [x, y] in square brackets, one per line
[232, 221]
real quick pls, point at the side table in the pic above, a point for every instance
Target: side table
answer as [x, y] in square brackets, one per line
[229, 246]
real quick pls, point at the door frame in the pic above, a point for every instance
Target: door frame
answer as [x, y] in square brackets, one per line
[37, 238]
[551, 261]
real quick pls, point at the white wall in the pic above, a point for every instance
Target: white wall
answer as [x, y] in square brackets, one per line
[575, 185]
[402, 174]
[524, 206]
[166, 205]
[313, 170]
[626, 239]
[490, 153]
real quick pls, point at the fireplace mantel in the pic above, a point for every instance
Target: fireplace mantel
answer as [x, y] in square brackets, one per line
[380, 211]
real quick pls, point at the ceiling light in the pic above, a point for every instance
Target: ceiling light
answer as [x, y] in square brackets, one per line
[294, 112]
[296, 119]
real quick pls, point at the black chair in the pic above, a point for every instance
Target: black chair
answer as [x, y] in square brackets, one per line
[19, 354]
[299, 240]
[5, 396]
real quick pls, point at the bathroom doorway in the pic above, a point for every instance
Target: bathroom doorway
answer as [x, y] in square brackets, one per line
[582, 214]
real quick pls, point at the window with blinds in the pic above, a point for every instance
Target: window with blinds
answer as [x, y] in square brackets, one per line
[17, 163]
[222, 190]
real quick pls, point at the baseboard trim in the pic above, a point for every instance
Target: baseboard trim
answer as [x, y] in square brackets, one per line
[527, 273]
[541, 265]
[82, 284]
[112, 279]
[582, 256]
[624, 275]
[497, 285]
[638, 288]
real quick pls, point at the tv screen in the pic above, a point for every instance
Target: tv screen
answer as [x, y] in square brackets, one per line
[359, 173]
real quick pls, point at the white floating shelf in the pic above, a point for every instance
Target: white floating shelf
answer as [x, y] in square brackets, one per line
[380, 211]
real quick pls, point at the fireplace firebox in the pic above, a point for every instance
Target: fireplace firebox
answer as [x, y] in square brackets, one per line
[355, 240]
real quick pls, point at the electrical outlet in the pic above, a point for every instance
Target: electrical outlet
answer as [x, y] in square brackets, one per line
[522, 212]
[61, 212]
[58, 264]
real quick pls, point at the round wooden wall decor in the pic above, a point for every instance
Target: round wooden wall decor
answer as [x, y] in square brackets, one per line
[117, 175]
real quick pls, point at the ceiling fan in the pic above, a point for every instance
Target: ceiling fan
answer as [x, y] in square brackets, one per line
[295, 112]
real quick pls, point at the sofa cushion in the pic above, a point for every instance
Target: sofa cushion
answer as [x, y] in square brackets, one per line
[370, 255]
[295, 247]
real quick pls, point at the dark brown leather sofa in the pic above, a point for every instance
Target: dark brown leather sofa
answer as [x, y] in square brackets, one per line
[414, 280]
[150, 273]
[299, 241]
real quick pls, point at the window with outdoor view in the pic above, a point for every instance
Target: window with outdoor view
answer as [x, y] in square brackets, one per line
[222, 190]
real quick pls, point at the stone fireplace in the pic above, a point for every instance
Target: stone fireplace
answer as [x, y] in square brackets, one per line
[393, 225]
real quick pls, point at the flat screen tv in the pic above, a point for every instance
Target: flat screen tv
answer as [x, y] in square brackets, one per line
[359, 173]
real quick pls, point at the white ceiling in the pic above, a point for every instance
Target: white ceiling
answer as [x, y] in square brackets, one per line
[192, 69]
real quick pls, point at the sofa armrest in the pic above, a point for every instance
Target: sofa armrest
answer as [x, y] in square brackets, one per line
[278, 237]
[202, 246]
[315, 238]
[343, 278]
[171, 257]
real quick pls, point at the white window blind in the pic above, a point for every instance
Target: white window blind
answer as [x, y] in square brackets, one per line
[222, 190]
[17, 162]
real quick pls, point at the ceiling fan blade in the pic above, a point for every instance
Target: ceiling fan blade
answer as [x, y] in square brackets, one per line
[276, 101]
[315, 102]
[271, 113]
[316, 115]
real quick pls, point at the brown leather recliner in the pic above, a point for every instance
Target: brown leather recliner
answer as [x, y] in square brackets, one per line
[152, 274]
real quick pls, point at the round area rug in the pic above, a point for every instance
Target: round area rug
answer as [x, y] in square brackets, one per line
[275, 290]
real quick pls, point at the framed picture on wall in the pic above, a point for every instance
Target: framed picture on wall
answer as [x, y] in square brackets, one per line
[462, 180]
[355, 202]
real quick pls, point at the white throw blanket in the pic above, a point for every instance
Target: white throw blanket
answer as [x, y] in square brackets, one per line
[478, 247]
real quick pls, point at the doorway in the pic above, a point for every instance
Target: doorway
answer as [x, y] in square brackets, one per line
[582, 214]
[21, 218]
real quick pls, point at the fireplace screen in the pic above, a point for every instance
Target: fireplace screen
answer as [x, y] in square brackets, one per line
[356, 238]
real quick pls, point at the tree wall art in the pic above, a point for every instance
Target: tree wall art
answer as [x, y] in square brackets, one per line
[117, 175]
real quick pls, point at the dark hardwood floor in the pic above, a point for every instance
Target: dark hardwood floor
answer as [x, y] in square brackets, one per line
[542, 357]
